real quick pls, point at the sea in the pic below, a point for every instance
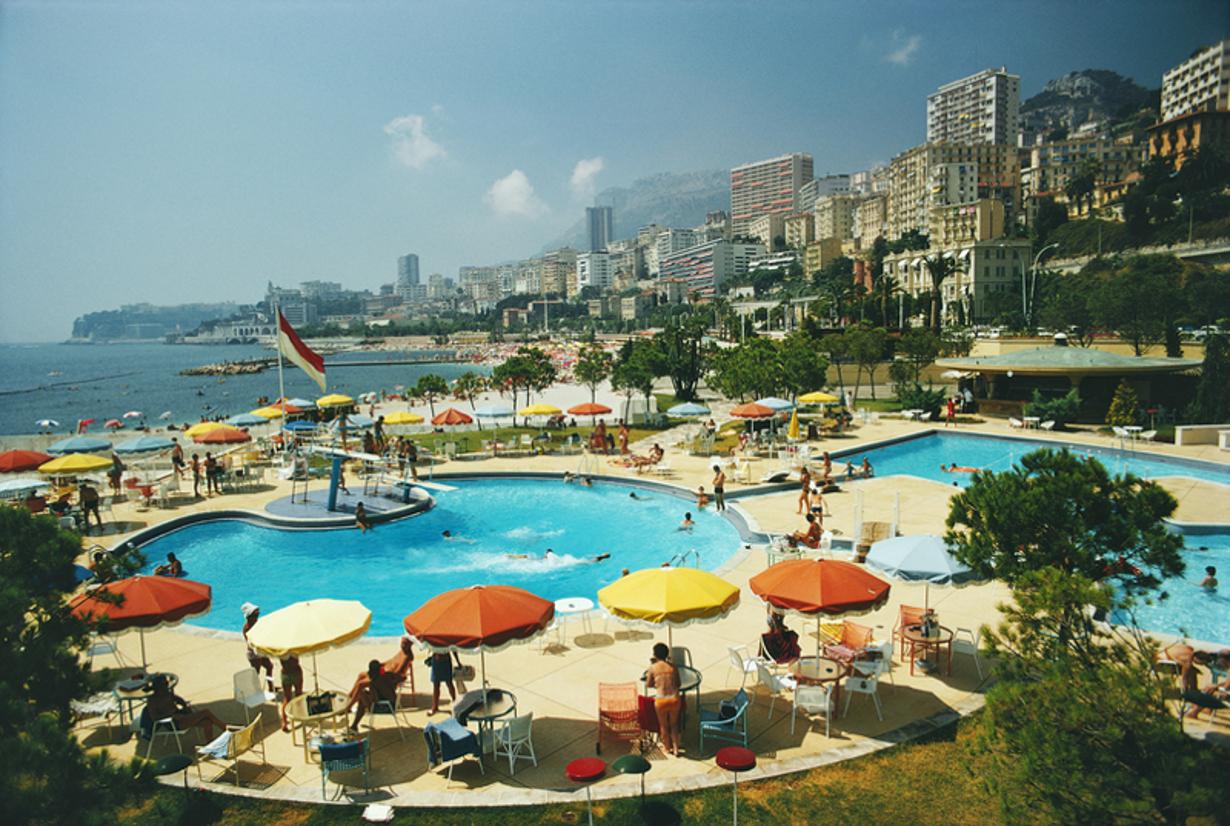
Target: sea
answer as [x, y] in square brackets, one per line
[69, 382]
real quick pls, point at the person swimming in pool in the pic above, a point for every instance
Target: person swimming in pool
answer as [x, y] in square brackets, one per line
[1209, 583]
[687, 524]
[449, 536]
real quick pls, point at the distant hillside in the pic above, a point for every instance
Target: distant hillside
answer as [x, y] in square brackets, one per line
[145, 321]
[673, 200]
[1078, 97]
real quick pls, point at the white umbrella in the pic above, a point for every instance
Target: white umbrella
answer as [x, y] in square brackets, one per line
[920, 557]
[133, 414]
[47, 423]
[164, 415]
[14, 487]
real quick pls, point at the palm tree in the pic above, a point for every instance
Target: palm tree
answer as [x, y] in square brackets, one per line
[939, 267]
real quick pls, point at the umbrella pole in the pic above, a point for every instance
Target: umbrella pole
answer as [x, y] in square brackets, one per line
[817, 636]
[482, 658]
[315, 675]
[926, 595]
[144, 666]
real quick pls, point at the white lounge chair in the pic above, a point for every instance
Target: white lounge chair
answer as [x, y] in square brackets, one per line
[1016, 423]
[1148, 436]
[1049, 424]
[925, 417]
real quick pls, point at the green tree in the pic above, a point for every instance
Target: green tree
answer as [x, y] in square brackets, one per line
[1066, 304]
[594, 365]
[1124, 406]
[750, 369]
[837, 347]
[866, 346]
[920, 348]
[681, 346]
[45, 778]
[803, 365]
[469, 386]
[430, 387]
[512, 376]
[635, 372]
[1212, 402]
[1050, 216]
[1142, 301]
[541, 372]
[939, 267]
[836, 284]
[1081, 185]
[1059, 510]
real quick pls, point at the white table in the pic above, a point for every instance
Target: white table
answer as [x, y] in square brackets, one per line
[1032, 421]
[1133, 431]
[570, 606]
[912, 414]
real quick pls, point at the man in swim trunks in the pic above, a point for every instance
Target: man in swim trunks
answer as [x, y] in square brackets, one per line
[441, 672]
[664, 677]
[719, 488]
[291, 675]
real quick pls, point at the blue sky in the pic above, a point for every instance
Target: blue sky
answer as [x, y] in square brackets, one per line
[175, 152]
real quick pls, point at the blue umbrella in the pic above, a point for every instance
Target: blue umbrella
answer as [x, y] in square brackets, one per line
[79, 444]
[688, 409]
[302, 404]
[774, 403]
[355, 421]
[494, 411]
[922, 557]
[82, 573]
[144, 444]
[299, 427]
[247, 420]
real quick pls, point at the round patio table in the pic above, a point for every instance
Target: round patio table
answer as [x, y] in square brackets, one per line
[297, 713]
[499, 704]
[940, 638]
[736, 759]
[818, 671]
[569, 607]
[586, 770]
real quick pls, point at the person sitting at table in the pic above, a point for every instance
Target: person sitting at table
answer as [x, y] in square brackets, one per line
[379, 685]
[172, 567]
[62, 505]
[164, 703]
[663, 676]
[810, 537]
[291, 675]
[779, 643]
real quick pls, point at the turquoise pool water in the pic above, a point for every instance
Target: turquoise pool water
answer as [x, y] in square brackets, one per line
[396, 567]
[923, 456]
[1190, 610]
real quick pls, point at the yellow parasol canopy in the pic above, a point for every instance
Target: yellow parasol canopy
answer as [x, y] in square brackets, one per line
[310, 627]
[403, 417]
[792, 432]
[669, 596]
[334, 400]
[201, 428]
[818, 397]
[74, 463]
[269, 412]
[539, 410]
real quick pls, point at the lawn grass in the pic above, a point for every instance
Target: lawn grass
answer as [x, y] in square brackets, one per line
[928, 781]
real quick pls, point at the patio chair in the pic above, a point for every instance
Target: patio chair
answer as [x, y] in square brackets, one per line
[344, 757]
[239, 741]
[854, 638]
[513, 737]
[907, 615]
[617, 712]
[862, 685]
[773, 683]
[814, 699]
[681, 655]
[727, 723]
[741, 661]
[390, 707]
[1015, 423]
[150, 729]
[249, 692]
[449, 741]
[925, 417]
[968, 641]
[1049, 424]
[879, 665]
[1148, 436]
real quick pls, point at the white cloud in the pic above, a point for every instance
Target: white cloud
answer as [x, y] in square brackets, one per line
[903, 55]
[513, 195]
[411, 146]
[583, 175]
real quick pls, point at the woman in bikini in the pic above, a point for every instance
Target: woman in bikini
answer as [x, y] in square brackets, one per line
[663, 676]
[804, 491]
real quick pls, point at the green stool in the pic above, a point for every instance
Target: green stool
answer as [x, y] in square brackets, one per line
[173, 763]
[634, 764]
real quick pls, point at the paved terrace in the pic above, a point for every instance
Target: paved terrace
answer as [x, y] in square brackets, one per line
[559, 683]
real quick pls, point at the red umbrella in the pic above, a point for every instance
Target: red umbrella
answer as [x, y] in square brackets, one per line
[451, 416]
[113, 424]
[148, 602]
[17, 460]
[751, 410]
[589, 409]
[816, 587]
[223, 436]
[480, 617]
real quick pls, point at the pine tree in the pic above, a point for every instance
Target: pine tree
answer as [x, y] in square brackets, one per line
[1124, 407]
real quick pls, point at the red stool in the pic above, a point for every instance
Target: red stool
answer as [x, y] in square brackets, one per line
[736, 759]
[587, 770]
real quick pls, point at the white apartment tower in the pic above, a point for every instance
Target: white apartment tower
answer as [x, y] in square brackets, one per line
[1201, 82]
[981, 108]
[768, 187]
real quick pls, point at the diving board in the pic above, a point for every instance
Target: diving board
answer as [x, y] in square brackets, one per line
[433, 486]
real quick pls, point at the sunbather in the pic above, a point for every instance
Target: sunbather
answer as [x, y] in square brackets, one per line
[379, 685]
[164, 703]
[810, 537]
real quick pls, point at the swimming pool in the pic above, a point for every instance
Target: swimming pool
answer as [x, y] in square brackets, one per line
[922, 456]
[397, 566]
[1190, 610]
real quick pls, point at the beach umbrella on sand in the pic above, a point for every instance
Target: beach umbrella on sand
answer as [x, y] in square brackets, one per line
[144, 444]
[113, 424]
[792, 432]
[13, 461]
[247, 420]
[818, 397]
[15, 487]
[300, 427]
[921, 557]
[79, 444]
[591, 409]
[201, 428]
[148, 602]
[540, 409]
[673, 597]
[302, 404]
[818, 588]
[406, 417]
[481, 617]
[334, 400]
[450, 417]
[775, 403]
[73, 464]
[223, 436]
[309, 628]
[47, 424]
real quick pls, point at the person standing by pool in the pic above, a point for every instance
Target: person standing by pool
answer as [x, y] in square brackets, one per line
[623, 438]
[116, 474]
[88, 496]
[177, 459]
[360, 518]
[950, 413]
[211, 474]
[804, 491]
[291, 675]
[412, 458]
[441, 672]
[719, 488]
[256, 661]
[664, 677]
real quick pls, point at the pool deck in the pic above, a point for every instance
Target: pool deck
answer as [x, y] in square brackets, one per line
[558, 683]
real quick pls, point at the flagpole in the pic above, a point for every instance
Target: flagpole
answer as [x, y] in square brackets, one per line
[277, 342]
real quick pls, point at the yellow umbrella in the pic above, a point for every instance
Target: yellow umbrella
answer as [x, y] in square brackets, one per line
[669, 596]
[310, 627]
[818, 397]
[792, 432]
[74, 463]
[201, 428]
[334, 400]
[539, 410]
[403, 417]
[269, 412]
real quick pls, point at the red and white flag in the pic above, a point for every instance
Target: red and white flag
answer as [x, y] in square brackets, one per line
[293, 348]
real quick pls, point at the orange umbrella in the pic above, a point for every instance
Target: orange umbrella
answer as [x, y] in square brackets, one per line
[589, 409]
[12, 461]
[223, 436]
[751, 410]
[147, 602]
[816, 587]
[480, 617]
[451, 416]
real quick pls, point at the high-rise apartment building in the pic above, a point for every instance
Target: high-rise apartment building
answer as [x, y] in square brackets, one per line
[408, 270]
[946, 174]
[835, 216]
[601, 223]
[767, 187]
[800, 230]
[593, 270]
[822, 187]
[981, 108]
[701, 269]
[1200, 83]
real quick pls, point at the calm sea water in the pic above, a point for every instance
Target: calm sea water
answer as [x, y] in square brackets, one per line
[67, 382]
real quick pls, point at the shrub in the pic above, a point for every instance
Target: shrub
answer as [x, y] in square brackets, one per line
[1124, 407]
[1061, 410]
[914, 396]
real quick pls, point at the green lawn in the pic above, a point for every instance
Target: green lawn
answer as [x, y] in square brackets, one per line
[924, 782]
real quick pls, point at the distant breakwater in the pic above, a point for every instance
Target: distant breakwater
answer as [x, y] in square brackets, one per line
[257, 365]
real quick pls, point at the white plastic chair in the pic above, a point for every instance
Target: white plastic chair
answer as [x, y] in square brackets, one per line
[164, 728]
[1049, 424]
[925, 417]
[741, 661]
[862, 685]
[390, 707]
[774, 683]
[1015, 423]
[248, 691]
[814, 699]
[1148, 436]
[878, 668]
[680, 655]
[967, 641]
[514, 736]
[104, 645]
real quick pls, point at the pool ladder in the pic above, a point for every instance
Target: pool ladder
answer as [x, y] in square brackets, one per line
[681, 559]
